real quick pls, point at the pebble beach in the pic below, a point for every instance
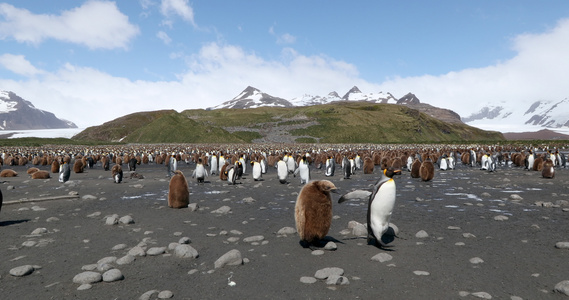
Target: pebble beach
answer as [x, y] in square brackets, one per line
[466, 234]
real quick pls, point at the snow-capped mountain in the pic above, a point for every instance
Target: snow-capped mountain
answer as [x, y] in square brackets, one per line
[539, 114]
[19, 114]
[252, 98]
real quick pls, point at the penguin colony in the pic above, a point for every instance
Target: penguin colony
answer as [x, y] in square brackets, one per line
[229, 162]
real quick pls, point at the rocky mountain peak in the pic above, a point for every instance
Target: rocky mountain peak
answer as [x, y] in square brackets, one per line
[354, 90]
[409, 99]
[19, 114]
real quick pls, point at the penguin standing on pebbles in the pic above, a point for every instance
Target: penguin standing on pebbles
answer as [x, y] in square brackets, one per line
[313, 212]
[380, 206]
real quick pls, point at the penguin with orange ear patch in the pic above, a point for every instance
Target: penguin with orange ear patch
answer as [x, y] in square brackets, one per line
[178, 192]
[313, 212]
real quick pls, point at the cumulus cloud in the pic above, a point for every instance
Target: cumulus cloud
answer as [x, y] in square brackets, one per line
[285, 38]
[538, 71]
[19, 65]
[179, 8]
[164, 37]
[95, 24]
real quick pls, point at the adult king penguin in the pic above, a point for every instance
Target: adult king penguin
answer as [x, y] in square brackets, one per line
[380, 205]
[200, 172]
[65, 170]
[303, 170]
[282, 171]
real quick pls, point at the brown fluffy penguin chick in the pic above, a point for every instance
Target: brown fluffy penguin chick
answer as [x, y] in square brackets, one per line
[40, 175]
[548, 171]
[313, 211]
[55, 167]
[427, 170]
[415, 167]
[8, 173]
[32, 170]
[78, 166]
[368, 165]
[178, 192]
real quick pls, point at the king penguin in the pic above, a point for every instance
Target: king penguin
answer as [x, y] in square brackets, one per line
[346, 168]
[65, 170]
[282, 171]
[330, 166]
[256, 170]
[380, 205]
[303, 170]
[313, 211]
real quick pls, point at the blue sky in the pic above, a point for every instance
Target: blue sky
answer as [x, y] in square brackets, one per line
[73, 57]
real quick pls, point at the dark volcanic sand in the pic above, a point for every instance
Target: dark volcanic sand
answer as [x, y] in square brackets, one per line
[519, 254]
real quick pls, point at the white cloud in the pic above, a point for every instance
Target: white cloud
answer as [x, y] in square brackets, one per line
[19, 65]
[177, 7]
[164, 37]
[95, 24]
[538, 71]
[283, 38]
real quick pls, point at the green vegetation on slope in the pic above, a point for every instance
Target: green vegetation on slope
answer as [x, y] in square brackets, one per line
[345, 122]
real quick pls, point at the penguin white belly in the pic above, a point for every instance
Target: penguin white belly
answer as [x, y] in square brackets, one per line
[444, 165]
[256, 171]
[381, 208]
[304, 173]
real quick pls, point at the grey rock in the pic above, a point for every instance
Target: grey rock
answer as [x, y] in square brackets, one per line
[185, 251]
[184, 240]
[308, 279]
[156, 251]
[193, 206]
[337, 280]
[89, 197]
[562, 245]
[87, 277]
[148, 295]
[382, 257]
[327, 272]
[222, 210]
[330, 246]
[562, 287]
[231, 258]
[255, 238]
[39, 231]
[482, 295]
[165, 295]
[125, 260]
[421, 234]
[112, 220]
[22, 270]
[112, 275]
[286, 231]
[137, 251]
[126, 220]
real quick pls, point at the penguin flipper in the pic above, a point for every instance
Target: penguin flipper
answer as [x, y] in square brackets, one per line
[357, 194]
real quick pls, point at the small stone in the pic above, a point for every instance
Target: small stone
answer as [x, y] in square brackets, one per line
[501, 218]
[89, 197]
[563, 287]
[119, 247]
[327, 272]
[137, 251]
[193, 206]
[255, 238]
[308, 279]
[516, 197]
[126, 220]
[476, 260]
[382, 257]
[148, 295]
[337, 280]
[184, 240]
[112, 275]
[112, 220]
[482, 295]
[468, 235]
[185, 251]
[125, 260]
[359, 230]
[421, 273]
[231, 258]
[22, 271]
[562, 245]
[286, 231]
[453, 228]
[330, 246]
[29, 243]
[39, 231]
[248, 200]
[52, 219]
[317, 252]
[165, 295]
[87, 277]
[94, 215]
[156, 251]
[84, 286]
[222, 210]
[421, 234]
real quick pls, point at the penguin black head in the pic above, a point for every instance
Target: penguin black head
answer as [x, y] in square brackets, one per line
[389, 172]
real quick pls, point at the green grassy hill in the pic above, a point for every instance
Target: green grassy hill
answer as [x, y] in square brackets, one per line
[347, 122]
